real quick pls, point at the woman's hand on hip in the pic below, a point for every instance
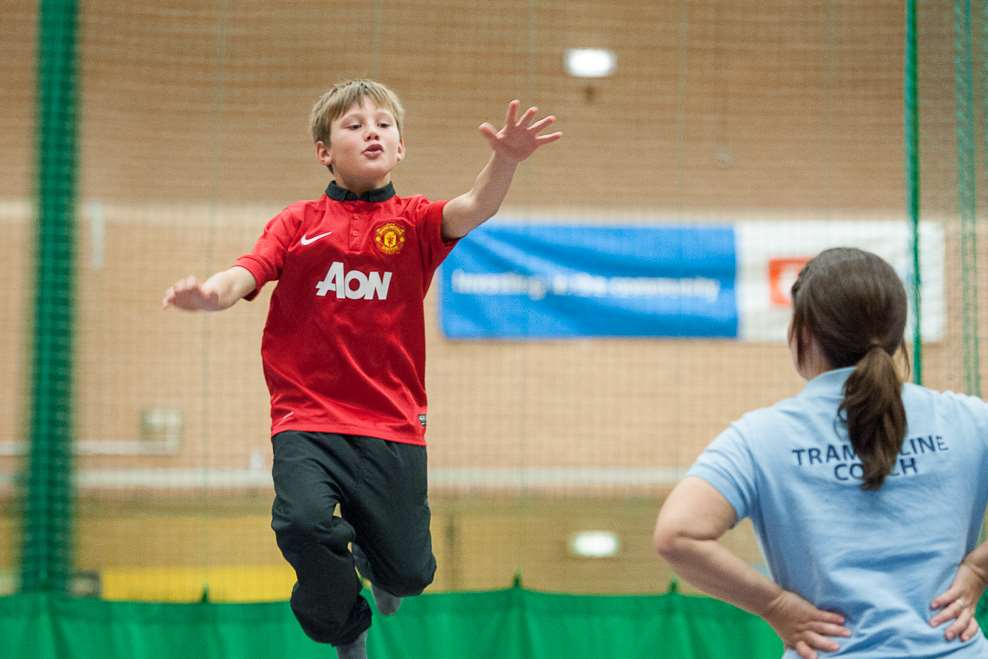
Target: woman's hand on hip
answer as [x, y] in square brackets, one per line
[803, 627]
[958, 604]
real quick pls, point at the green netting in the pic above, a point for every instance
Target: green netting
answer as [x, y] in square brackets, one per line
[186, 147]
[164, 134]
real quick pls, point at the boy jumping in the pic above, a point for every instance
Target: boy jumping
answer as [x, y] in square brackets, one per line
[343, 351]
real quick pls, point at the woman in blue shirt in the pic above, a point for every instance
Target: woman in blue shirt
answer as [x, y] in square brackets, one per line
[866, 494]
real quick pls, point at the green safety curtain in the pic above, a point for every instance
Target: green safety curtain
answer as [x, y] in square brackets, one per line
[515, 623]
[509, 623]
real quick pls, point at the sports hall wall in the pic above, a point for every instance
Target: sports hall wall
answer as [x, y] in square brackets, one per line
[191, 131]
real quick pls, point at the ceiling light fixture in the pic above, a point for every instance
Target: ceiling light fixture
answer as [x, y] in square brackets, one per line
[594, 544]
[590, 62]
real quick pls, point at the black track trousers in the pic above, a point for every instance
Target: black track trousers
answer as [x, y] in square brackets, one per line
[384, 509]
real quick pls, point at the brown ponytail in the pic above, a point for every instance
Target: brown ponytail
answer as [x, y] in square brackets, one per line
[854, 304]
[876, 420]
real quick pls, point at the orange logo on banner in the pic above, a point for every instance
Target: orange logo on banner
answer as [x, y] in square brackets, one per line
[782, 275]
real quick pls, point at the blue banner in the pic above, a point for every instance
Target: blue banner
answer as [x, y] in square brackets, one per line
[525, 281]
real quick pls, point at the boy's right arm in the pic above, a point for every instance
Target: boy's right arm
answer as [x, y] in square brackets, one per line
[219, 292]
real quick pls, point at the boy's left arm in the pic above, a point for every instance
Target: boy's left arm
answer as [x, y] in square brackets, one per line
[516, 141]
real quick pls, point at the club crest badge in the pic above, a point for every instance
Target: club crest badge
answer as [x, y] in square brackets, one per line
[390, 238]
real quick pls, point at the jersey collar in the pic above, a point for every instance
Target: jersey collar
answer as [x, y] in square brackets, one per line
[336, 193]
[830, 382]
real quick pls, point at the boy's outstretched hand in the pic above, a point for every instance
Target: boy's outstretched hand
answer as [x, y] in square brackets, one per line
[519, 138]
[191, 295]
[219, 292]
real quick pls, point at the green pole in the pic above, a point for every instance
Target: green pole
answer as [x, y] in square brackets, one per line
[911, 114]
[966, 184]
[46, 531]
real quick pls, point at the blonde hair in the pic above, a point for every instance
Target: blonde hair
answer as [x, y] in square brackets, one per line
[345, 95]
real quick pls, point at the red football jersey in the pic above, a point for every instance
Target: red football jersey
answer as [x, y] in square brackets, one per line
[344, 343]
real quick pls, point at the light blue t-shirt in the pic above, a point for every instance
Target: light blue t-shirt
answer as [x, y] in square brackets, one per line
[878, 557]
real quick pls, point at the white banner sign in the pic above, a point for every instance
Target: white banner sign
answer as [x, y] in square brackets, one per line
[771, 254]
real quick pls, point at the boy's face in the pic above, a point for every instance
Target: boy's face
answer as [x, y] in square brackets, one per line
[364, 147]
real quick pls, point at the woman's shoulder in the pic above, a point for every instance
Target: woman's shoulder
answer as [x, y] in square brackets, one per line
[783, 409]
[780, 423]
[946, 402]
[764, 420]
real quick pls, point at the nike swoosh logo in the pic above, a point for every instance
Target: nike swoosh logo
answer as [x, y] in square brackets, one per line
[304, 240]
